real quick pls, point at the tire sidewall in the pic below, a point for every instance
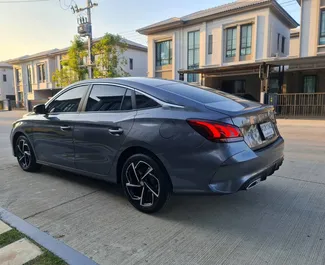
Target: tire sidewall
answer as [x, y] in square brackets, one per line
[163, 181]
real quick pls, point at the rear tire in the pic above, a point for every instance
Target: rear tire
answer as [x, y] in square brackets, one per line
[25, 155]
[145, 183]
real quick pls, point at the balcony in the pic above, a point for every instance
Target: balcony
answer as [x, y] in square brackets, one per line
[43, 86]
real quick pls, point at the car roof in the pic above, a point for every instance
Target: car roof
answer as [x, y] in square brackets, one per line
[151, 86]
[154, 82]
[174, 92]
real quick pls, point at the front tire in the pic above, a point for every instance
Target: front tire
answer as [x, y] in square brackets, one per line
[25, 155]
[145, 184]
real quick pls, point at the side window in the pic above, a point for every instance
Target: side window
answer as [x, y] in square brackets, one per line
[107, 98]
[68, 101]
[144, 102]
[127, 101]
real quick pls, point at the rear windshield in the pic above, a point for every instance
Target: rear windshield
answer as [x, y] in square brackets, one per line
[198, 93]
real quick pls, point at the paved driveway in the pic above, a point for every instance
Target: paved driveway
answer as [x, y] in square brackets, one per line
[281, 221]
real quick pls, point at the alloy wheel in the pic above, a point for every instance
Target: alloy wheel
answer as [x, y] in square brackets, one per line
[142, 185]
[24, 154]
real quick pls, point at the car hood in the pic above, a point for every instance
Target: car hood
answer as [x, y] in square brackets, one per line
[28, 114]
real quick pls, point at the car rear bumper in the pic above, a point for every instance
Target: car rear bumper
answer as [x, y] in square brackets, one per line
[245, 168]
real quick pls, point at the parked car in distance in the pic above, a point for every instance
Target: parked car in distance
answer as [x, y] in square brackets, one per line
[154, 137]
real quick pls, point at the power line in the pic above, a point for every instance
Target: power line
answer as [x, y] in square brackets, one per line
[22, 1]
[66, 7]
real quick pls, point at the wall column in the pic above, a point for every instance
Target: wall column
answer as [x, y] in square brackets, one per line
[151, 57]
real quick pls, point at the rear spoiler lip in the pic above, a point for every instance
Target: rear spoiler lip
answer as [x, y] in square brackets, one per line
[253, 110]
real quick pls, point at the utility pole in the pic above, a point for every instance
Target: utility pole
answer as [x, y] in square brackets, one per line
[85, 29]
[90, 40]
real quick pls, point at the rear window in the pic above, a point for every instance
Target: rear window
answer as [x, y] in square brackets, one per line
[201, 94]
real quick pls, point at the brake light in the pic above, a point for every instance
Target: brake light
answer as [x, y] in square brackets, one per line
[214, 131]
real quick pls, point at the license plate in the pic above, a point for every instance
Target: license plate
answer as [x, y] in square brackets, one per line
[267, 130]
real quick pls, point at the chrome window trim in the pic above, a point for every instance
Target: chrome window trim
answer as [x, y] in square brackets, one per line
[160, 102]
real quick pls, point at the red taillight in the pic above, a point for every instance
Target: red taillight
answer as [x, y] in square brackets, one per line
[215, 131]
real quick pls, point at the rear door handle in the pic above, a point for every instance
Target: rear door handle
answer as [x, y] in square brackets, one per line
[65, 128]
[118, 131]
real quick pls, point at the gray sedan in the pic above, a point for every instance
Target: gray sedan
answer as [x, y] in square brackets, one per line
[155, 137]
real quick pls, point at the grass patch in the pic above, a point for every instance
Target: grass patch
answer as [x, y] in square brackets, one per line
[10, 237]
[47, 258]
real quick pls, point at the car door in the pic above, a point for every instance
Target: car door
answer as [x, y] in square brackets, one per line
[53, 132]
[102, 127]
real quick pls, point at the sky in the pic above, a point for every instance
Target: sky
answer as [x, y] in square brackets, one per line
[32, 27]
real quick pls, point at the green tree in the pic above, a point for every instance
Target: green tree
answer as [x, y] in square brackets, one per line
[76, 54]
[109, 59]
[72, 69]
[62, 78]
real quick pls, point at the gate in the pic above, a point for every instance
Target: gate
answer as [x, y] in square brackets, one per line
[298, 104]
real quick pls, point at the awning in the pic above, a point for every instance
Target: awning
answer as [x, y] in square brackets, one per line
[294, 64]
[251, 68]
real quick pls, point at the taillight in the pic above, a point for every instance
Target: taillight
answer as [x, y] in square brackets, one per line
[215, 131]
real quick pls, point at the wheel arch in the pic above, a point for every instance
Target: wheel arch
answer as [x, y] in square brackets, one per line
[14, 140]
[138, 150]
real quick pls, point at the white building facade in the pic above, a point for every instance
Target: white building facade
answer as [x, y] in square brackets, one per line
[238, 33]
[6, 82]
[32, 74]
[312, 30]
[307, 44]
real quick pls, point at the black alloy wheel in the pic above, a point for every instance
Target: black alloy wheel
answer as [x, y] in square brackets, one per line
[145, 184]
[25, 155]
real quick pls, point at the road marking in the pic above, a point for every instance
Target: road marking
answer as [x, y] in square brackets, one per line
[19, 252]
[4, 228]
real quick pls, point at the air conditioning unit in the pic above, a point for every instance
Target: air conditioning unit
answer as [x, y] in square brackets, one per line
[84, 29]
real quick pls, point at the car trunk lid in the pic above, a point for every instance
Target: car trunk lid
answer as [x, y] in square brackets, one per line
[256, 121]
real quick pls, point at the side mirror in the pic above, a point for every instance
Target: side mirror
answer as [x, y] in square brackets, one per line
[39, 109]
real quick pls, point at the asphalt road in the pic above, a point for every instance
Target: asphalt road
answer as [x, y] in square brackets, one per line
[281, 221]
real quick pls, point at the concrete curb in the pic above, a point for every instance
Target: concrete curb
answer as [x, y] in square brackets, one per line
[58, 248]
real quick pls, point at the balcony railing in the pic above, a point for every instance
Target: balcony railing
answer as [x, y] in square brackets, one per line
[298, 104]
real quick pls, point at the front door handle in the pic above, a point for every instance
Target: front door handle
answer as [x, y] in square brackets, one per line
[65, 128]
[118, 131]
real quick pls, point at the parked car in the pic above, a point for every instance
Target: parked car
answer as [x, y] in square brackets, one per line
[155, 137]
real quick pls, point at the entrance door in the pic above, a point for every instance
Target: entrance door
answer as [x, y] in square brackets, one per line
[53, 132]
[102, 127]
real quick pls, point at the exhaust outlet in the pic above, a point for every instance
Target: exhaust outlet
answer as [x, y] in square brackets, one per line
[253, 184]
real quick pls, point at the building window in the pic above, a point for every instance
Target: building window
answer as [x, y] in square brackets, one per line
[41, 72]
[29, 76]
[283, 44]
[18, 76]
[193, 54]
[278, 43]
[163, 53]
[231, 38]
[310, 84]
[322, 29]
[245, 40]
[4, 78]
[131, 63]
[210, 44]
